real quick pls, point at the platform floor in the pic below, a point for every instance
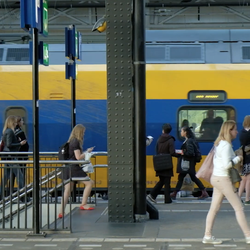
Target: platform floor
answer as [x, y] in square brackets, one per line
[180, 226]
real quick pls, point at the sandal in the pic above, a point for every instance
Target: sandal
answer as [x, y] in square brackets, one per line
[60, 216]
[88, 208]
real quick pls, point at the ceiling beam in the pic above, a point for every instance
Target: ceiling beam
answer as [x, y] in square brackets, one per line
[70, 4]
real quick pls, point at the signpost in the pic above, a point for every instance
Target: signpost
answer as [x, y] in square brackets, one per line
[73, 42]
[34, 19]
[72, 52]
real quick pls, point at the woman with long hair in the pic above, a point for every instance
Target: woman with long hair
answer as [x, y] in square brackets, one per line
[245, 141]
[188, 158]
[224, 159]
[20, 135]
[11, 144]
[74, 170]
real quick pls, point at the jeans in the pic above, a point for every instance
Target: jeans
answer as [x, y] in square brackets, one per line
[224, 187]
[164, 181]
[8, 175]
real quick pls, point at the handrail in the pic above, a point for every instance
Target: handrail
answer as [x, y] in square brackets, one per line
[44, 179]
[24, 190]
[29, 203]
[42, 162]
[49, 153]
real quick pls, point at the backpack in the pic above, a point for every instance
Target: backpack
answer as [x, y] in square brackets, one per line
[197, 151]
[1, 145]
[63, 153]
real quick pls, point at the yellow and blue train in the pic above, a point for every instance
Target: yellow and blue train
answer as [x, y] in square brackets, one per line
[174, 93]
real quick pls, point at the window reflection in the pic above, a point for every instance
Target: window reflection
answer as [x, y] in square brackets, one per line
[206, 121]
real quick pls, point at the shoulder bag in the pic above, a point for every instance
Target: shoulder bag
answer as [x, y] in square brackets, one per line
[206, 170]
[162, 162]
[234, 174]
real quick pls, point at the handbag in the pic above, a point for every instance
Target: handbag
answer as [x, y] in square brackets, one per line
[234, 175]
[185, 165]
[206, 170]
[1, 145]
[88, 168]
[239, 151]
[162, 162]
[247, 149]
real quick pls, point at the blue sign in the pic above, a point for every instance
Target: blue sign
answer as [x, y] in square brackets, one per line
[34, 14]
[73, 41]
[70, 70]
[30, 14]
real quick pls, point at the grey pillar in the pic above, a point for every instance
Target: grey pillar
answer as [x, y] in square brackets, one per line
[120, 104]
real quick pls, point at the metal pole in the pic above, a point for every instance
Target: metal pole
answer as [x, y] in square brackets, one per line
[73, 101]
[139, 109]
[73, 117]
[35, 83]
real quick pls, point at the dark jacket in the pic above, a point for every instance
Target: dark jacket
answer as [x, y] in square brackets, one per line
[165, 145]
[244, 141]
[11, 144]
[188, 155]
[20, 135]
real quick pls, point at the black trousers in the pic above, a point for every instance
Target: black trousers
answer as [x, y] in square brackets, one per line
[164, 181]
[193, 178]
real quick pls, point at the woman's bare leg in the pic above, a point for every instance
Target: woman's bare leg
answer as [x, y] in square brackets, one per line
[247, 187]
[67, 190]
[87, 190]
[242, 186]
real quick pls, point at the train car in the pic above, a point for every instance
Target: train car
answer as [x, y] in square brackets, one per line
[176, 91]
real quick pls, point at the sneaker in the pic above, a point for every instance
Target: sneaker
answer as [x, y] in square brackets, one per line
[149, 197]
[211, 240]
[248, 240]
[247, 203]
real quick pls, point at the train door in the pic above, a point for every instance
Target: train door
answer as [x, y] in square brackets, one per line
[18, 111]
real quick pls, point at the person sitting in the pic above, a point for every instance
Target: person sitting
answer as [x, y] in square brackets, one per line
[206, 128]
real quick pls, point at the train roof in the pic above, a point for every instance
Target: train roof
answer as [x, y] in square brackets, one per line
[162, 46]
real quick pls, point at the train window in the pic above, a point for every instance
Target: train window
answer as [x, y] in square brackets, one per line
[206, 121]
[18, 111]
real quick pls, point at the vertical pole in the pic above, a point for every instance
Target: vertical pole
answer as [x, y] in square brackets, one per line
[35, 84]
[139, 109]
[73, 118]
[73, 102]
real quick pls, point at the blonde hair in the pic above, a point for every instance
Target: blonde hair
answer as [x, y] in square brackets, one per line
[224, 133]
[10, 122]
[246, 122]
[77, 133]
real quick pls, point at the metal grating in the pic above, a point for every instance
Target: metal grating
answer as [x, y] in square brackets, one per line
[246, 53]
[186, 53]
[155, 53]
[17, 54]
[1, 54]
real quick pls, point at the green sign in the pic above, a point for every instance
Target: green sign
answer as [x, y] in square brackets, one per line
[45, 54]
[45, 17]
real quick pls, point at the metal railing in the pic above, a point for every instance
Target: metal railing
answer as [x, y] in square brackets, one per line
[16, 208]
